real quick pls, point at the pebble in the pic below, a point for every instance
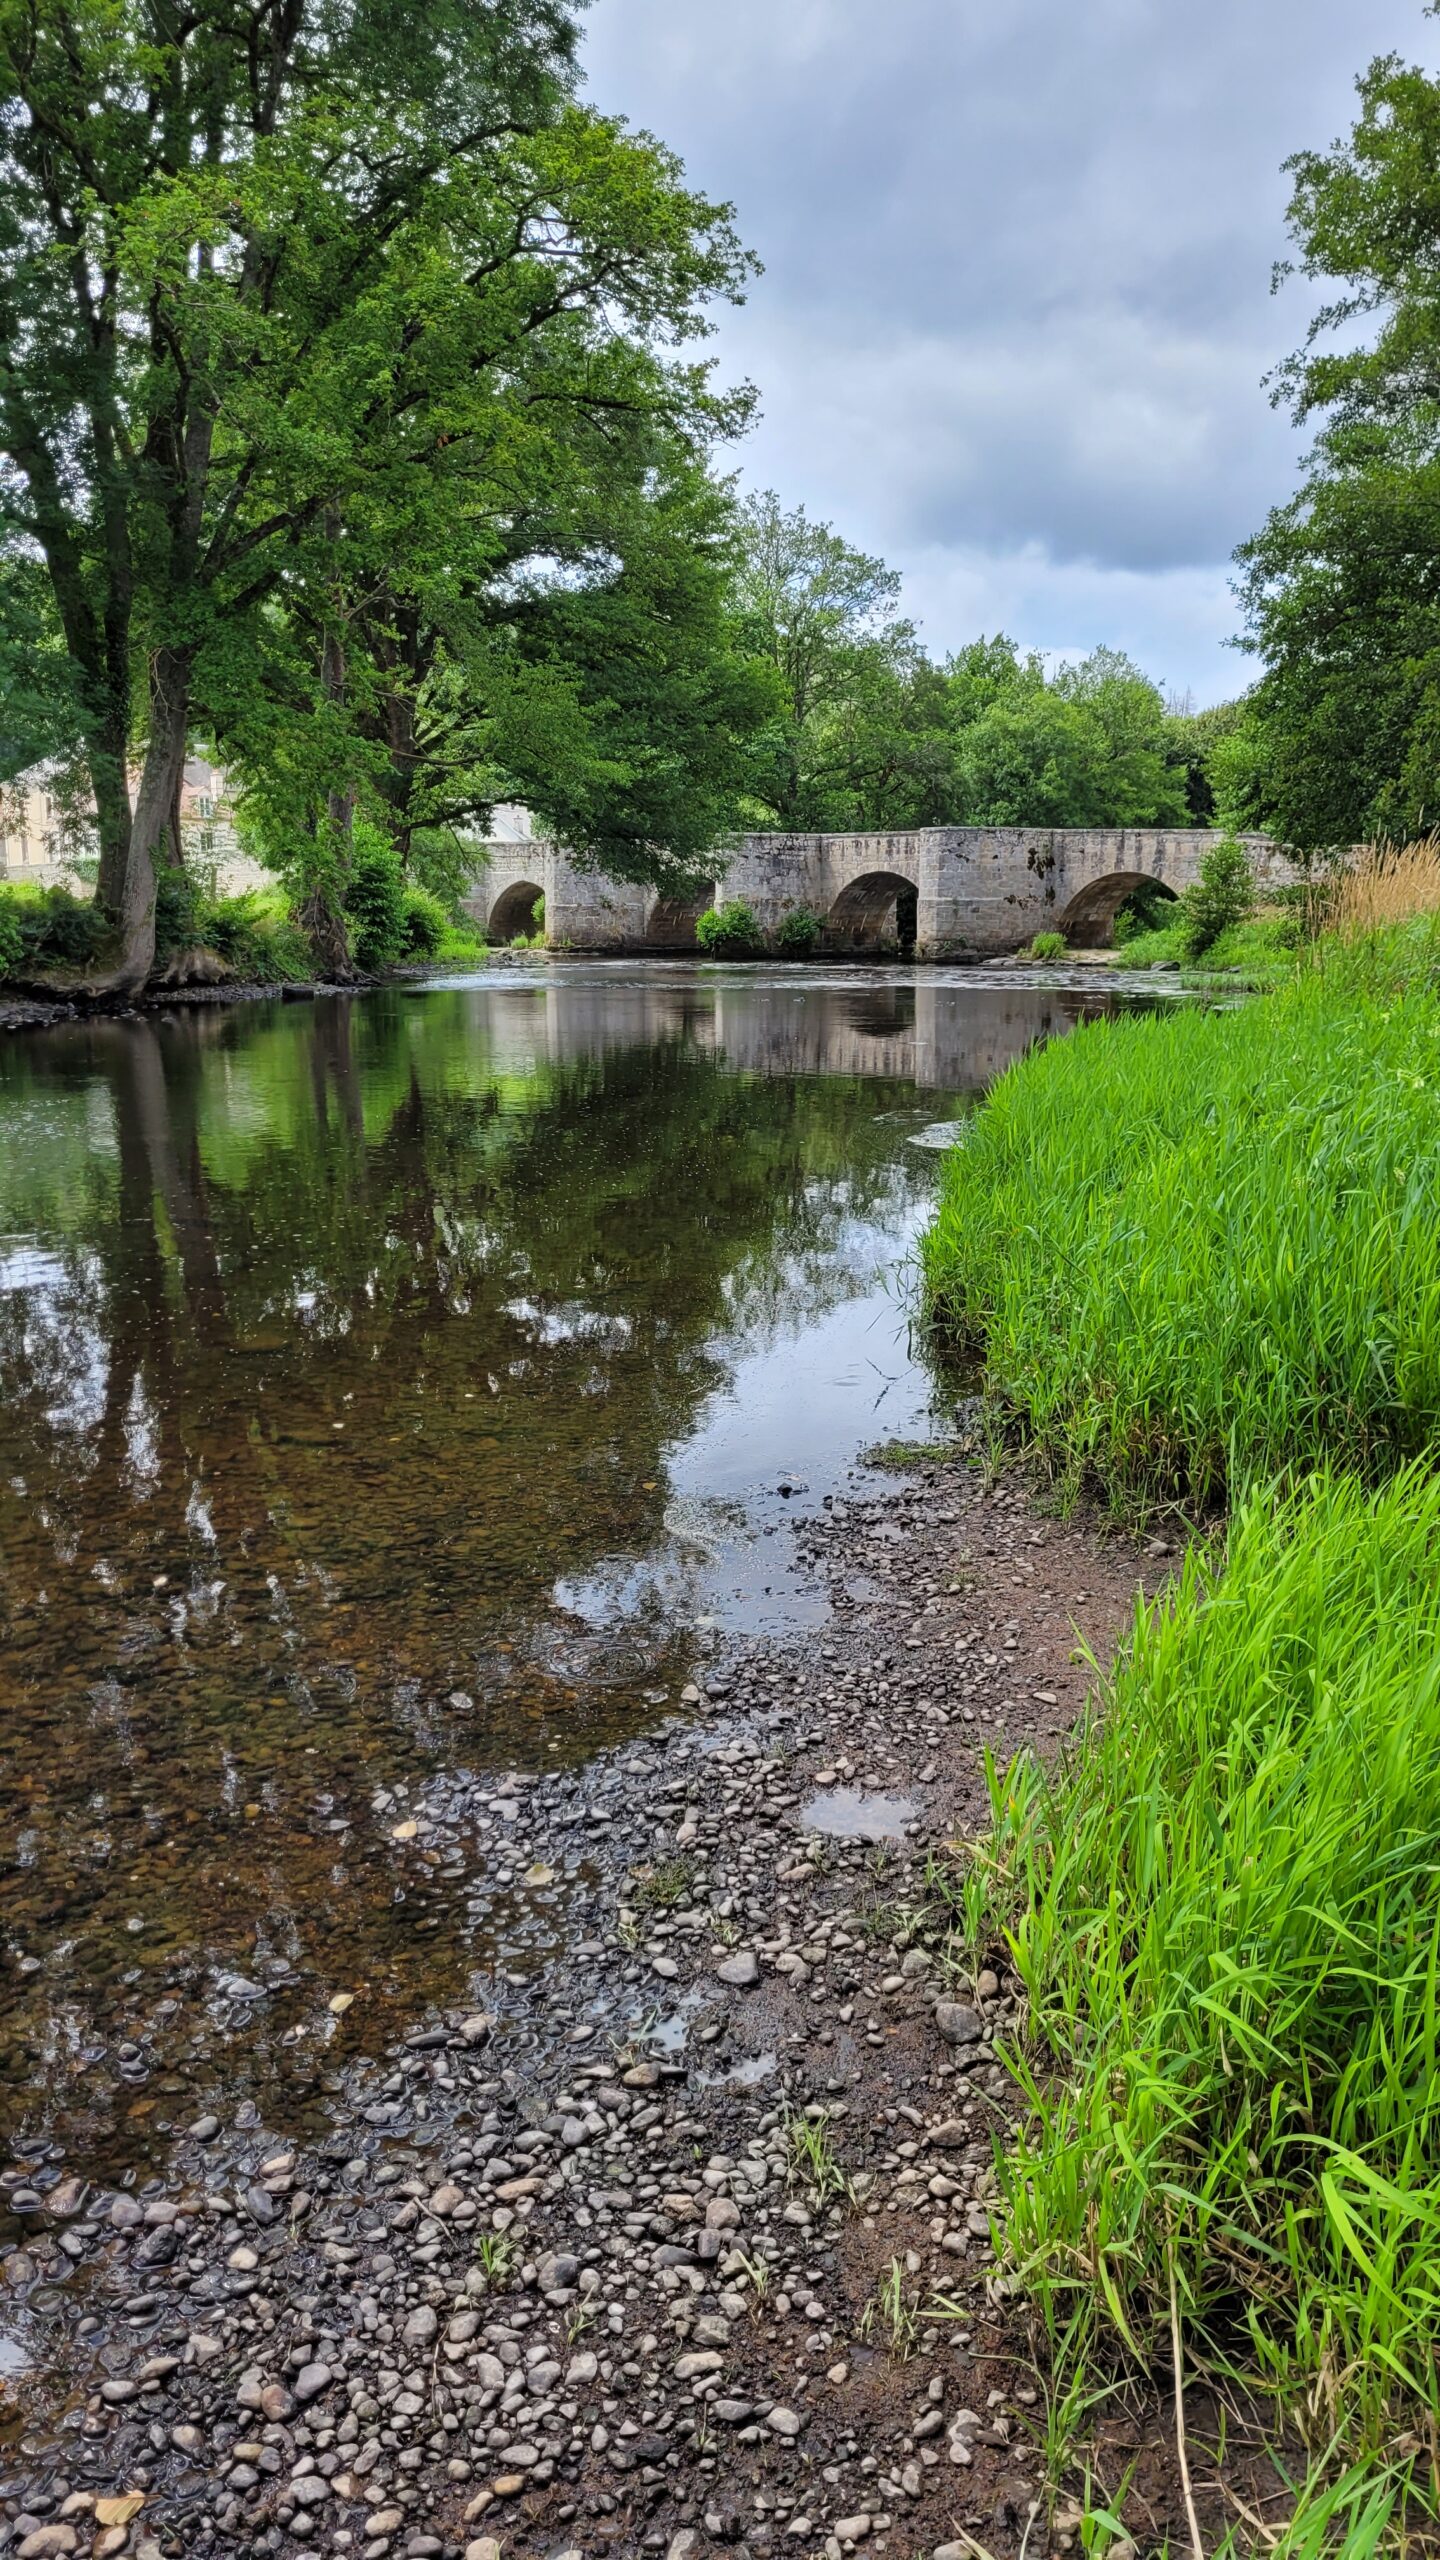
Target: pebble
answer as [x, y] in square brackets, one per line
[740, 1971]
[639, 2353]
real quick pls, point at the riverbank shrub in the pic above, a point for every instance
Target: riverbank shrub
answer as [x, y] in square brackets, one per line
[731, 932]
[1196, 1246]
[375, 896]
[798, 934]
[1048, 946]
[44, 929]
[1221, 1905]
[256, 936]
[424, 921]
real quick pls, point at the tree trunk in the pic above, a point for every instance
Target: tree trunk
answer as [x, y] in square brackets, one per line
[110, 783]
[156, 800]
[322, 914]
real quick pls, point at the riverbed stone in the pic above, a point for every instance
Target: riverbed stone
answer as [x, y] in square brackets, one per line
[958, 2023]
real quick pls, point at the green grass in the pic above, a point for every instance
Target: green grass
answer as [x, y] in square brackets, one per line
[812, 2160]
[461, 944]
[1223, 1907]
[1195, 1247]
[890, 2313]
[1260, 952]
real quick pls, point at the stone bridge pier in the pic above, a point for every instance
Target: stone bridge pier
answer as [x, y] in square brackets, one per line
[939, 892]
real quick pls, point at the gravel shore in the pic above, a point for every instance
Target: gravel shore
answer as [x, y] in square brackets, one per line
[679, 2238]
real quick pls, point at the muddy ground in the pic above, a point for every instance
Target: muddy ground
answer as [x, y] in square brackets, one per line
[569, 2276]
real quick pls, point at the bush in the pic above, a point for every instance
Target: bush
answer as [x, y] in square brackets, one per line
[177, 912]
[798, 935]
[1223, 895]
[1222, 1909]
[375, 898]
[731, 932]
[1047, 946]
[255, 935]
[461, 944]
[55, 929]
[1198, 1245]
[426, 920]
[12, 939]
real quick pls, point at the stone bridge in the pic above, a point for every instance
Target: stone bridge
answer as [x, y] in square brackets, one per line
[941, 892]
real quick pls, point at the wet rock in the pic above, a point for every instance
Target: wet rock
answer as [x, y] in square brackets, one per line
[959, 2024]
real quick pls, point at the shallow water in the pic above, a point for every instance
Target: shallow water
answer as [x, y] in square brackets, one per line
[852, 1813]
[395, 1392]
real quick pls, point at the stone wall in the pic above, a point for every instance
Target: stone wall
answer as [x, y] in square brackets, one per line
[979, 890]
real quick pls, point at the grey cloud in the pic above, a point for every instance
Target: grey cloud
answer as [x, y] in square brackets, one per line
[1017, 302]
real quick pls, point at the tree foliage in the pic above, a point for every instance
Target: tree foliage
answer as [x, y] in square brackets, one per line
[1341, 586]
[329, 333]
[871, 733]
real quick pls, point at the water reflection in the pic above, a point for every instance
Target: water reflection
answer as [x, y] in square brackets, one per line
[389, 1389]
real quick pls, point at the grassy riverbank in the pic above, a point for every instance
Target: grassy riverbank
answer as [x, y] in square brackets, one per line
[1199, 1257]
[1222, 1906]
[1196, 1246]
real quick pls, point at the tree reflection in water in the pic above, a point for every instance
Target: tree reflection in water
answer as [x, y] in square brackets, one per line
[332, 1339]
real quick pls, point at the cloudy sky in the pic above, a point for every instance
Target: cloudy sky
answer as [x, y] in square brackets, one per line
[1017, 306]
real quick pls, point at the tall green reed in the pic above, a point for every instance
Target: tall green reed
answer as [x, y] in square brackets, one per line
[1224, 1904]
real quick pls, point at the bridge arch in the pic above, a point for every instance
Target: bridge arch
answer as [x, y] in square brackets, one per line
[876, 908]
[1089, 920]
[514, 911]
[671, 923]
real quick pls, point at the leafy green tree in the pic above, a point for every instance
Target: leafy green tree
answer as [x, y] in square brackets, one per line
[263, 284]
[1341, 586]
[1136, 782]
[1198, 745]
[822, 615]
[1086, 749]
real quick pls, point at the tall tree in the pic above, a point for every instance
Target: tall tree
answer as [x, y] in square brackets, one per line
[1341, 586]
[230, 241]
[822, 613]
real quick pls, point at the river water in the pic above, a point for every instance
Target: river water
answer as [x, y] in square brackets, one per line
[399, 1389]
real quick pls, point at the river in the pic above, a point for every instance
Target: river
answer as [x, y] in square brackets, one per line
[396, 1389]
